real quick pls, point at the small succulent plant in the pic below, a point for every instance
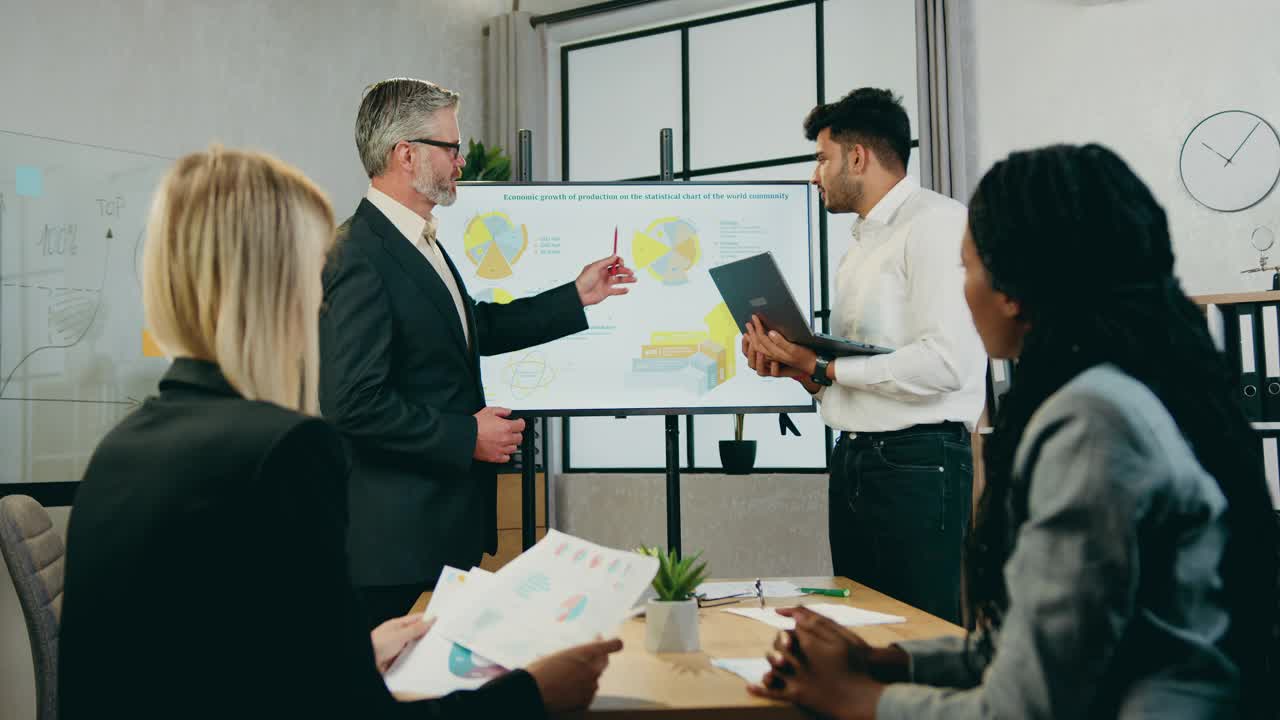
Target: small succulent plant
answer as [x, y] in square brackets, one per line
[678, 578]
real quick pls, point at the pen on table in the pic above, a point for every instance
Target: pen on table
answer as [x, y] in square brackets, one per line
[830, 592]
[760, 593]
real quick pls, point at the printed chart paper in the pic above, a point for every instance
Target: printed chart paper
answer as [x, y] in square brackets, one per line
[564, 591]
[750, 669]
[846, 615]
[452, 588]
[434, 665]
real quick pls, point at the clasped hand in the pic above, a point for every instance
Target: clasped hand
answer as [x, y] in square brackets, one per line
[826, 668]
[498, 437]
[771, 355]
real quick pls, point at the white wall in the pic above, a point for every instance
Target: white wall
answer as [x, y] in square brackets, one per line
[169, 78]
[1135, 75]
[280, 76]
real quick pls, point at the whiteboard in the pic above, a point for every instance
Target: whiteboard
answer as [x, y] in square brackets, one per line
[668, 347]
[72, 355]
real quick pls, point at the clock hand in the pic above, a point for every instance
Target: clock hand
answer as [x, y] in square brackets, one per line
[1215, 152]
[1242, 142]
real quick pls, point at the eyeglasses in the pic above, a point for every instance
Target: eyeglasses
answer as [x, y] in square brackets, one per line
[454, 148]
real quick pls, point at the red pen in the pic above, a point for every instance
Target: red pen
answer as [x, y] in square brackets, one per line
[613, 269]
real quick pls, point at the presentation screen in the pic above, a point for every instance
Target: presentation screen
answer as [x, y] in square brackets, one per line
[670, 346]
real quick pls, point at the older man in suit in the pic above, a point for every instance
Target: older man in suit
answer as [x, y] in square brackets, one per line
[400, 343]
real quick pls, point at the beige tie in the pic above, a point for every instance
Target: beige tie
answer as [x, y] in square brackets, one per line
[430, 249]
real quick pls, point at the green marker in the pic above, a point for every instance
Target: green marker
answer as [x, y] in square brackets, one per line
[830, 592]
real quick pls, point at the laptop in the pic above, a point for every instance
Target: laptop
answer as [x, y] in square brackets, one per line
[754, 286]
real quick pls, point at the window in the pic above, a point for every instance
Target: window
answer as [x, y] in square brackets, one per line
[734, 89]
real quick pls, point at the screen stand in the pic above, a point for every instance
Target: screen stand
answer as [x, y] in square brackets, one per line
[673, 484]
[528, 486]
[528, 458]
[666, 172]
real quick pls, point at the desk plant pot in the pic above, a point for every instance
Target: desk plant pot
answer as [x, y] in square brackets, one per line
[671, 619]
[671, 626]
[737, 456]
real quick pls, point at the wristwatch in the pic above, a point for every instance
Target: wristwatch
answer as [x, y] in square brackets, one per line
[820, 371]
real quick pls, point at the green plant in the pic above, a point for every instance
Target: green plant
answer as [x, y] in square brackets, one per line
[486, 164]
[737, 426]
[677, 577]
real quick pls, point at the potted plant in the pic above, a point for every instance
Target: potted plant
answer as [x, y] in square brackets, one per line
[671, 619]
[738, 456]
[486, 164]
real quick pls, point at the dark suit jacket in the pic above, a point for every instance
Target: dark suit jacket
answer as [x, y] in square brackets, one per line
[397, 379]
[206, 575]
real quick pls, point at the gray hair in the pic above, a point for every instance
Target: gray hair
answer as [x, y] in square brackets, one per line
[393, 111]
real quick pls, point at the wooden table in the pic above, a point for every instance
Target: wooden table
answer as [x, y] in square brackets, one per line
[643, 686]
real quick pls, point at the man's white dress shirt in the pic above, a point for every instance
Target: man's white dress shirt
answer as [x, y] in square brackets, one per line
[901, 285]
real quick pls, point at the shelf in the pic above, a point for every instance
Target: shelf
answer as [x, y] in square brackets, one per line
[1228, 298]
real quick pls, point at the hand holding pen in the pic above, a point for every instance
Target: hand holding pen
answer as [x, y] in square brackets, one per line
[613, 269]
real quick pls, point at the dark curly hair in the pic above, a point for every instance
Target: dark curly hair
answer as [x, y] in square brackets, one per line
[867, 116]
[1078, 240]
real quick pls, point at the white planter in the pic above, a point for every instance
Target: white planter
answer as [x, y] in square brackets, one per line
[671, 627]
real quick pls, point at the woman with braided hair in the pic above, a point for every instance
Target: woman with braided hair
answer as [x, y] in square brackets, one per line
[1123, 562]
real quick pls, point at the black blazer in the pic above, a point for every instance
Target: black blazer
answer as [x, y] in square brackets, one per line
[206, 575]
[397, 379]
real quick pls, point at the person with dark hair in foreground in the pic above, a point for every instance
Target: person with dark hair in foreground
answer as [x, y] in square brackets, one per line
[1123, 563]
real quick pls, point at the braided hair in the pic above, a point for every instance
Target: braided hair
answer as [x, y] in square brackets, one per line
[1080, 242]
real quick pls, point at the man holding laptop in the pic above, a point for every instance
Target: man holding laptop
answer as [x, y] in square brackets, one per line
[902, 471]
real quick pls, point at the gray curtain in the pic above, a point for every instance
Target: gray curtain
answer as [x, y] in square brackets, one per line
[944, 49]
[948, 155]
[517, 86]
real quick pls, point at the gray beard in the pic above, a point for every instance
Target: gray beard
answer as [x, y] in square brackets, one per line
[437, 190]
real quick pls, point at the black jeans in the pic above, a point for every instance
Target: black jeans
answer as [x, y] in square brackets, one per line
[899, 512]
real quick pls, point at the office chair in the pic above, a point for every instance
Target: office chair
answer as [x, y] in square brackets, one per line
[36, 557]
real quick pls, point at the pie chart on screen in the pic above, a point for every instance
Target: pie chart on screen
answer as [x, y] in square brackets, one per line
[494, 295]
[668, 249]
[571, 609]
[493, 243]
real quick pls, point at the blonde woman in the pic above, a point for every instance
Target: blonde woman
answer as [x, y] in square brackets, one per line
[206, 575]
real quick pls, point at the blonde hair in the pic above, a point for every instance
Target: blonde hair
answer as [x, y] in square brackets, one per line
[236, 243]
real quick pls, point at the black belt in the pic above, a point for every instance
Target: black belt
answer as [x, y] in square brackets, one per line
[948, 428]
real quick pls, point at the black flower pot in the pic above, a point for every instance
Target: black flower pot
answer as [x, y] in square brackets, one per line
[737, 457]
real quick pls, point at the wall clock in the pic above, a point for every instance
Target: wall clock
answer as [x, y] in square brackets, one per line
[1230, 160]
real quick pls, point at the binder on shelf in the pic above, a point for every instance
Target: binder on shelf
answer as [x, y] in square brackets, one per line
[999, 380]
[1270, 388]
[1271, 462]
[1243, 327]
[1217, 326]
